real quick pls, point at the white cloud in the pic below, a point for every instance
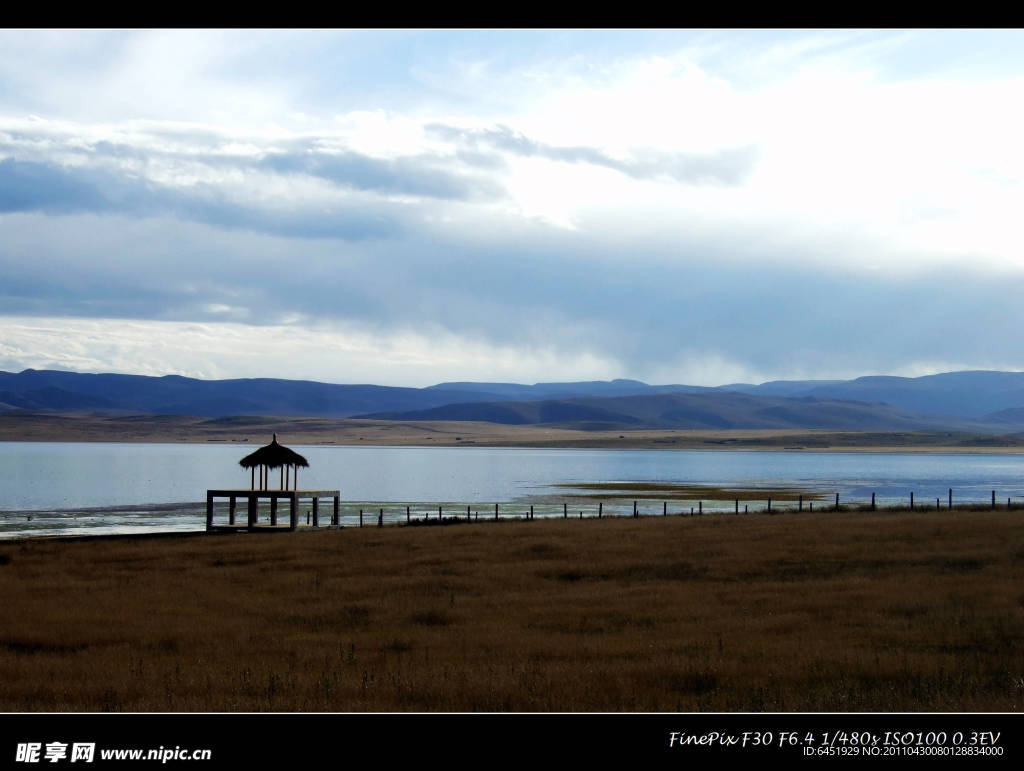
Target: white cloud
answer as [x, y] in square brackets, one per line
[234, 176]
[337, 353]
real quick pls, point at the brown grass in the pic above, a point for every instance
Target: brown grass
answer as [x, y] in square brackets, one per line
[20, 426]
[825, 612]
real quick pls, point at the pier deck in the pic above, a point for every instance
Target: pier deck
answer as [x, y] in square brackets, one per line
[253, 498]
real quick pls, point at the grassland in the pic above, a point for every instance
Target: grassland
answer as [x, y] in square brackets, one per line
[850, 611]
[56, 427]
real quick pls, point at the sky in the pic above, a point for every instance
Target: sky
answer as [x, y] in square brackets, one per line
[408, 207]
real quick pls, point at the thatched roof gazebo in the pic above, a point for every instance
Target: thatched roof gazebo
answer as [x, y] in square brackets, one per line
[272, 456]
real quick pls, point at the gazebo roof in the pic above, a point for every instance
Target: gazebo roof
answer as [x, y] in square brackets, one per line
[274, 455]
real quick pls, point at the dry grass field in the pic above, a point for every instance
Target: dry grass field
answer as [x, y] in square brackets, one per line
[853, 611]
[69, 427]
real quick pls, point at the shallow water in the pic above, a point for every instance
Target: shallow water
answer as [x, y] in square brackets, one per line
[97, 488]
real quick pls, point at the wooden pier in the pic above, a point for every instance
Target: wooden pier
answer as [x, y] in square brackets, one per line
[253, 498]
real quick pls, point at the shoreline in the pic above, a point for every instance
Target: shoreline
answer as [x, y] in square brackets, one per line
[255, 432]
[783, 506]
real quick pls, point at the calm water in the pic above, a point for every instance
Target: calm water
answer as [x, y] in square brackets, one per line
[62, 488]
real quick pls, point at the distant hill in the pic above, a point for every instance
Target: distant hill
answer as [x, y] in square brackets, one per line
[174, 395]
[707, 410]
[969, 394]
[980, 400]
[781, 387]
[515, 391]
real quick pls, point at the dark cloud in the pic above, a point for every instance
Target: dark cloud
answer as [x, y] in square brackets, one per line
[173, 269]
[352, 221]
[724, 167]
[418, 176]
[425, 176]
[531, 288]
[27, 186]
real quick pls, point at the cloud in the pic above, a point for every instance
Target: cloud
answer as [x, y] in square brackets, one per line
[558, 298]
[27, 186]
[724, 167]
[220, 350]
[420, 176]
[676, 207]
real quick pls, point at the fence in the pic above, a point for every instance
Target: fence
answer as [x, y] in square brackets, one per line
[371, 514]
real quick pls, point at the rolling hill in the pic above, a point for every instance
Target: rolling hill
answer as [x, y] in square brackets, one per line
[978, 401]
[714, 410]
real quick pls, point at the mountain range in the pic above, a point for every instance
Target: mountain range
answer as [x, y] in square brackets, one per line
[971, 400]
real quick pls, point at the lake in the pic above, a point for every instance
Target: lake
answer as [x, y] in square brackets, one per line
[97, 488]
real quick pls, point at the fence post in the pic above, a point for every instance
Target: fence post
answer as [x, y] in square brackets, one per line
[565, 511]
[531, 511]
[911, 500]
[769, 505]
[380, 518]
[600, 509]
[634, 510]
[700, 507]
[951, 497]
[837, 501]
[993, 499]
[360, 518]
[737, 505]
[469, 517]
[495, 512]
[800, 505]
[407, 516]
[664, 508]
[873, 502]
